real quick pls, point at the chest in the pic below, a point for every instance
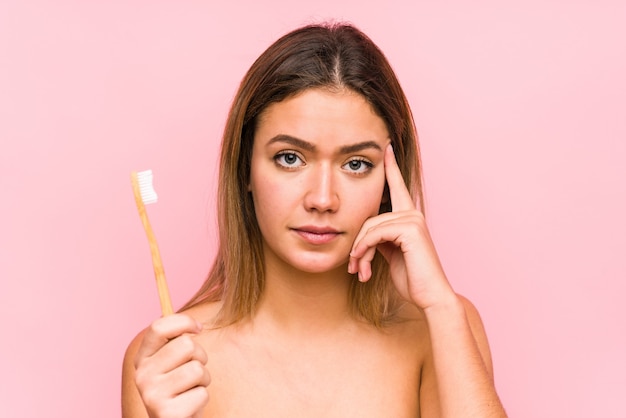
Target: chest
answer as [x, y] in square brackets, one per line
[376, 377]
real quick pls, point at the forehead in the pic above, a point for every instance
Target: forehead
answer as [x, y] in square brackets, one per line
[322, 114]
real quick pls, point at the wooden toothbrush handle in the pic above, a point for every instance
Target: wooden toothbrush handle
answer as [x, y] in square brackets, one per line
[159, 272]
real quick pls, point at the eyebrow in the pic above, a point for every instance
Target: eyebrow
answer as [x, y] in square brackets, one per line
[346, 149]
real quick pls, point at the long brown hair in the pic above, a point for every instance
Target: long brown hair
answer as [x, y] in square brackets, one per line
[335, 56]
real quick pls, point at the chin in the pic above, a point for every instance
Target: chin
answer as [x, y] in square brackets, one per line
[318, 265]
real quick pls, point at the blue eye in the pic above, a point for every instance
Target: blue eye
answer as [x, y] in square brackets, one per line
[358, 166]
[288, 159]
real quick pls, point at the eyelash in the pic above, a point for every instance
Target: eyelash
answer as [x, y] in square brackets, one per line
[279, 160]
[368, 166]
[282, 154]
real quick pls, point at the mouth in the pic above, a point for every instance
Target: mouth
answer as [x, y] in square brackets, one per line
[317, 235]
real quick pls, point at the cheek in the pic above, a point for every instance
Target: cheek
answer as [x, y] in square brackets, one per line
[270, 198]
[366, 199]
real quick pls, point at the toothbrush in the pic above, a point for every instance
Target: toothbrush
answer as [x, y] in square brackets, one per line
[145, 195]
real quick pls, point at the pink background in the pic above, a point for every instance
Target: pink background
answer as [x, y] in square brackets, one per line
[521, 110]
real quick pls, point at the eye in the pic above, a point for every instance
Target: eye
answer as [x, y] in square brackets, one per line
[358, 166]
[288, 159]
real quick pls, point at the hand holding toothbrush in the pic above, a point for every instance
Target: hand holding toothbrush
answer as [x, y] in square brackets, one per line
[170, 371]
[168, 365]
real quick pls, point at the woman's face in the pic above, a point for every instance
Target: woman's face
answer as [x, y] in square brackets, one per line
[316, 175]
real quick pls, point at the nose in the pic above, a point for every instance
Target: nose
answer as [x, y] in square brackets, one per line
[321, 194]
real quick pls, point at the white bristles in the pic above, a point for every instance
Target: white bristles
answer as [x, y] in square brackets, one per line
[148, 195]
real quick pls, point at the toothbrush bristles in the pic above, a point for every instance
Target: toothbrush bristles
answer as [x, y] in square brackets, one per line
[148, 195]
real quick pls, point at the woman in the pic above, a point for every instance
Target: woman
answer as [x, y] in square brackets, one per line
[327, 297]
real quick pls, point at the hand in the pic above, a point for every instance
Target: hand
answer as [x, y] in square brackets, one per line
[170, 369]
[402, 238]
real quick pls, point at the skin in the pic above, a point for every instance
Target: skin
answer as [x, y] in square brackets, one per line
[309, 171]
[319, 165]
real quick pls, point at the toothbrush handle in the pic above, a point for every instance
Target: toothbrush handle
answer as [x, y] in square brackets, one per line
[159, 272]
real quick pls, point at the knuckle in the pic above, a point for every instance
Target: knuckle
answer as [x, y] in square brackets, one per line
[141, 378]
[201, 395]
[151, 397]
[169, 411]
[420, 225]
[419, 217]
[186, 345]
[202, 357]
[157, 328]
[138, 362]
[195, 370]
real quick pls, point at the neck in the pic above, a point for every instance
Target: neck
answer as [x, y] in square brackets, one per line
[300, 302]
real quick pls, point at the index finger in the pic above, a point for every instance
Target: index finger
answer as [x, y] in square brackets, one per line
[164, 329]
[398, 193]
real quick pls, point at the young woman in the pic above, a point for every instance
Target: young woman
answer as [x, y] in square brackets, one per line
[327, 298]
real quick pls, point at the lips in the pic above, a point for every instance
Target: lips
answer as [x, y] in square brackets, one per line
[317, 235]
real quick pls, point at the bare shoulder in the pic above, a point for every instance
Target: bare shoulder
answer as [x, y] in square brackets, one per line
[470, 309]
[204, 312]
[411, 330]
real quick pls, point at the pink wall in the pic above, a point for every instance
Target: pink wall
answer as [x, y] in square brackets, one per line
[521, 111]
